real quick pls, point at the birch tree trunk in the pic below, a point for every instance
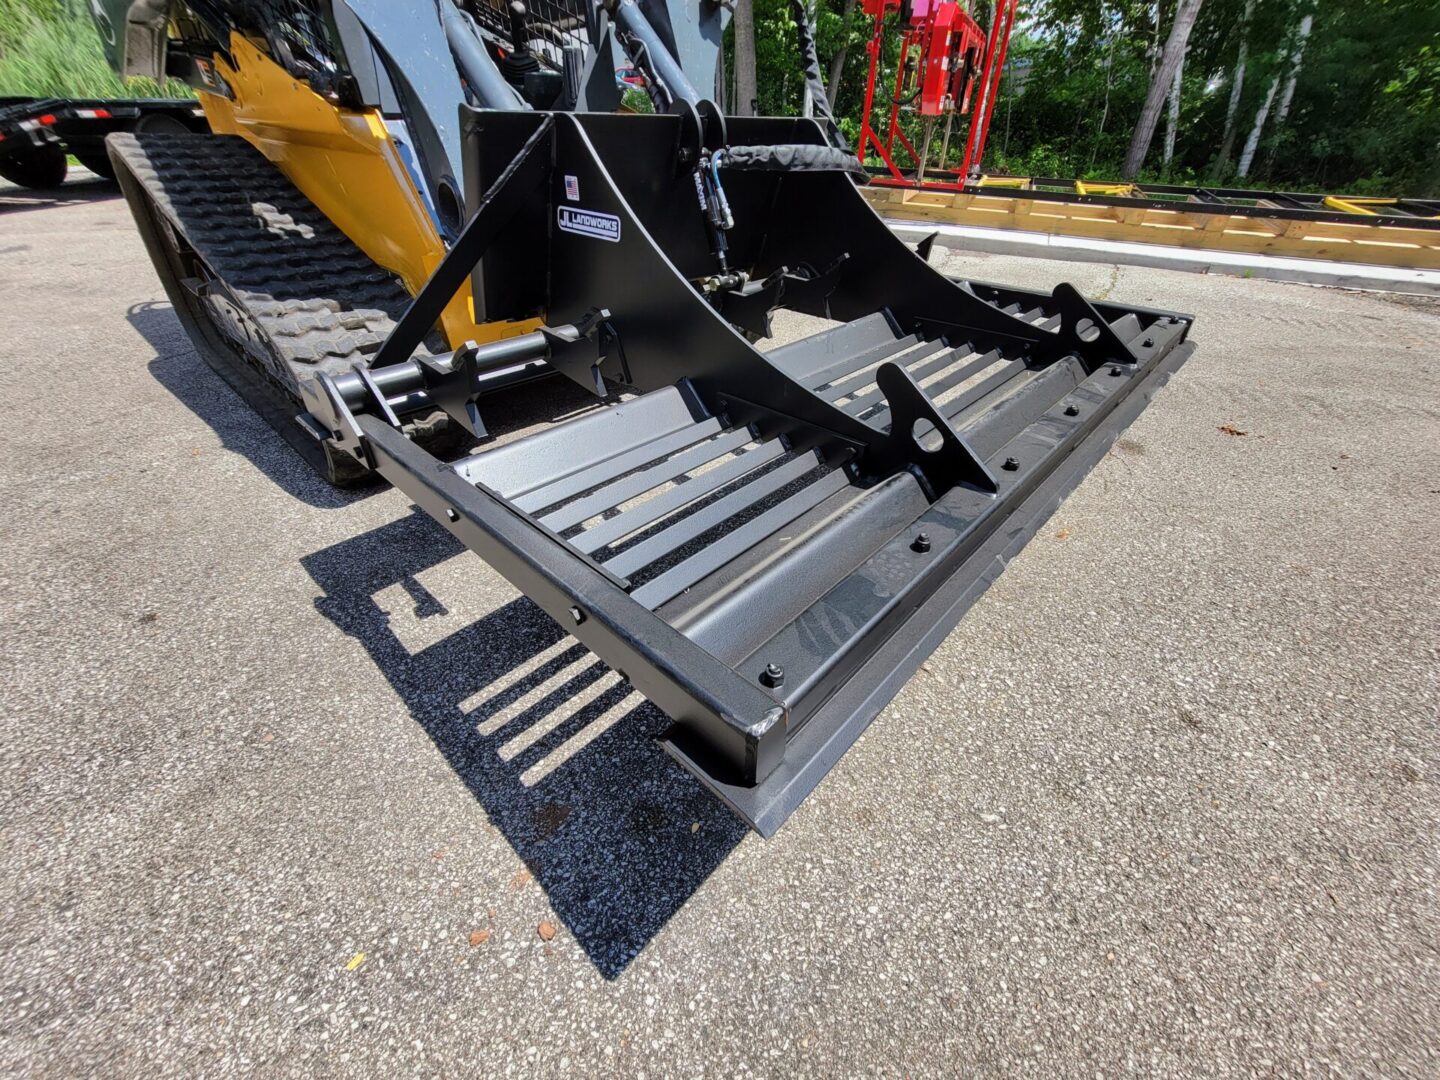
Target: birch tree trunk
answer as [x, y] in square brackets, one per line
[1237, 86]
[745, 90]
[1170, 59]
[1247, 156]
[1173, 120]
[1288, 94]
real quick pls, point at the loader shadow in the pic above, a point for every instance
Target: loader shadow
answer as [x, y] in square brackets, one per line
[179, 368]
[557, 750]
[14, 199]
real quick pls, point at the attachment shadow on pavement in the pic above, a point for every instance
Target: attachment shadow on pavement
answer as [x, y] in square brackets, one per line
[557, 749]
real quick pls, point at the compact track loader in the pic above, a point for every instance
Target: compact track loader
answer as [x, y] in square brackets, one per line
[408, 208]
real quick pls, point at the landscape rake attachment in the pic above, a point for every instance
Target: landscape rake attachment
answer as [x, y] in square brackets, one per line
[766, 545]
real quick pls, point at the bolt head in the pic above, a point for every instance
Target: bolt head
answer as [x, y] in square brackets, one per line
[921, 543]
[577, 615]
[1011, 464]
[773, 675]
[1072, 410]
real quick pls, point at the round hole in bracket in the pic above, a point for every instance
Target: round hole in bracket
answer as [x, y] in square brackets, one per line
[448, 207]
[926, 436]
[1086, 330]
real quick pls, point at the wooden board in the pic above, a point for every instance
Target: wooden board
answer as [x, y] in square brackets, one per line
[1378, 245]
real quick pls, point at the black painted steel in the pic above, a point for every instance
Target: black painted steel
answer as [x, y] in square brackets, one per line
[765, 545]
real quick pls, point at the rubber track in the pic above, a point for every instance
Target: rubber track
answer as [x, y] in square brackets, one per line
[323, 304]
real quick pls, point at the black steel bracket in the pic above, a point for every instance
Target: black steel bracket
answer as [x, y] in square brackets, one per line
[1085, 331]
[521, 181]
[451, 383]
[579, 349]
[942, 467]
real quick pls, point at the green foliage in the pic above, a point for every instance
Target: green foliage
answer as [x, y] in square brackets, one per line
[1365, 116]
[49, 48]
[636, 100]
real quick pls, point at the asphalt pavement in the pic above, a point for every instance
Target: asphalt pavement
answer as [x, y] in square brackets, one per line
[294, 786]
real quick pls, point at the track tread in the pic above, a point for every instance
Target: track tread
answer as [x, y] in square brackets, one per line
[323, 304]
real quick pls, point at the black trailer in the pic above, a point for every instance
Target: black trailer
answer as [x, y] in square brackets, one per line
[38, 135]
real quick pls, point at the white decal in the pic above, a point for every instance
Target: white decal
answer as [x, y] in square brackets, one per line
[589, 223]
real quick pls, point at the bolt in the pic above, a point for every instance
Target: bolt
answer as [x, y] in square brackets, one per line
[1011, 464]
[1072, 410]
[921, 543]
[577, 615]
[1116, 370]
[773, 675]
[1148, 343]
[451, 514]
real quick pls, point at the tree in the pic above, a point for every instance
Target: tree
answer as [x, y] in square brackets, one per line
[837, 62]
[1247, 157]
[1173, 120]
[1237, 86]
[745, 85]
[1186, 12]
[1288, 94]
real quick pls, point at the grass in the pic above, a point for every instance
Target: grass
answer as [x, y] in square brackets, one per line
[60, 56]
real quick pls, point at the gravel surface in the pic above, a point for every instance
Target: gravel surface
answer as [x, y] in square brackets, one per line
[294, 787]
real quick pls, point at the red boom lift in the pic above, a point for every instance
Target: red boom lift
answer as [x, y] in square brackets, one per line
[947, 65]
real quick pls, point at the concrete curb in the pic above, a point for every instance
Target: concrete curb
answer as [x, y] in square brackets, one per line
[1272, 267]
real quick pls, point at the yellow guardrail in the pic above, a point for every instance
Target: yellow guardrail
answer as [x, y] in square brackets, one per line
[1004, 181]
[1095, 187]
[1350, 205]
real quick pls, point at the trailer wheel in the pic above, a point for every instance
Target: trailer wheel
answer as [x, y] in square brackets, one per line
[97, 162]
[159, 124]
[40, 167]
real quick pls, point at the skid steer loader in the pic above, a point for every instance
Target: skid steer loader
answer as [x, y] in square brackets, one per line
[406, 208]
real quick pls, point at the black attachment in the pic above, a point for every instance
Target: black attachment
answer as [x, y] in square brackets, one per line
[796, 157]
[810, 62]
[516, 186]
[766, 544]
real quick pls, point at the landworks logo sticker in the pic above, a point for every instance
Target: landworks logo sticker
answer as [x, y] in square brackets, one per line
[589, 223]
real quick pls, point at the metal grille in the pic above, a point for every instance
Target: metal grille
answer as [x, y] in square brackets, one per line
[552, 25]
[297, 32]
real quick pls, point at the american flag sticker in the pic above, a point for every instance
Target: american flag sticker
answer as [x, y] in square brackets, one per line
[572, 189]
